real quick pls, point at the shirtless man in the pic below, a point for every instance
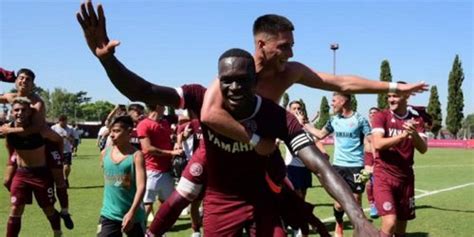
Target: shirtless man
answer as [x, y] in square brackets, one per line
[32, 174]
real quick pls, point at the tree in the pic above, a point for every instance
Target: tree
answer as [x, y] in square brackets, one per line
[455, 98]
[323, 113]
[353, 102]
[64, 102]
[285, 100]
[468, 126]
[303, 107]
[95, 111]
[434, 109]
[385, 75]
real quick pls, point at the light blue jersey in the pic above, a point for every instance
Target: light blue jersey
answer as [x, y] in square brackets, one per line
[349, 136]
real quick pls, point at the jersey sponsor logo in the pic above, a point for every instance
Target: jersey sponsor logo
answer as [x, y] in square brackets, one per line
[346, 134]
[195, 169]
[392, 132]
[387, 206]
[234, 147]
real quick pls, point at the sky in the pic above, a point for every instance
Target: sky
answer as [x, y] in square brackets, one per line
[178, 42]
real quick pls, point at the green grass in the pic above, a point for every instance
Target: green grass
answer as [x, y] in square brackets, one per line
[449, 213]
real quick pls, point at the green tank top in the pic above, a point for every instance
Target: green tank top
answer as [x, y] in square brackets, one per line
[119, 188]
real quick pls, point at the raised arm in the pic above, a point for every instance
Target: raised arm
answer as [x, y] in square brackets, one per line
[38, 118]
[214, 116]
[148, 148]
[337, 188]
[128, 83]
[351, 83]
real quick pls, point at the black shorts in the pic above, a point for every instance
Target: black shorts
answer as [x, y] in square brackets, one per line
[67, 158]
[112, 228]
[300, 177]
[350, 175]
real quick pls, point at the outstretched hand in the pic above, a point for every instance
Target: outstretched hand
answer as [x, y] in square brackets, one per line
[413, 88]
[95, 31]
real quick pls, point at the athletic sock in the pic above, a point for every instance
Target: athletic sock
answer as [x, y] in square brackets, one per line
[168, 214]
[338, 216]
[13, 226]
[63, 198]
[400, 235]
[54, 220]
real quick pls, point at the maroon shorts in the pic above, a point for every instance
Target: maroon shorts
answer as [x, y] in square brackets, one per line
[395, 197]
[28, 181]
[229, 216]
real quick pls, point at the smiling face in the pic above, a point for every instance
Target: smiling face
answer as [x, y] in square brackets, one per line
[24, 83]
[338, 103]
[396, 102]
[276, 49]
[21, 113]
[237, 82]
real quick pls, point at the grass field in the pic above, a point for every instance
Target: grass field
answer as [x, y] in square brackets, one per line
[444, 184]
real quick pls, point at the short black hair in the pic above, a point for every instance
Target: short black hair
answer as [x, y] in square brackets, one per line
[374, 108]
[240, 53]
[62, 117]
[272, 24]
[28, 72]
[137, 107]
[347, 96]
[295, 102]
[125, 121]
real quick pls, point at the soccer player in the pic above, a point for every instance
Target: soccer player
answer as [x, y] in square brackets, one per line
[369, 155]
[350, 130]
[124, 185]
[24, 84]
[396, 133]
[32, 174]
[94, 29]
[62, 128]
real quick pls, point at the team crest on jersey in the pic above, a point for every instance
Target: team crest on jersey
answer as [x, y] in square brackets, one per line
[195, 169]
[13, 199]
[250, 125]
[387, 206]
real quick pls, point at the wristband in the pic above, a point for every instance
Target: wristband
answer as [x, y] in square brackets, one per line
[392, 87]
[254, 140]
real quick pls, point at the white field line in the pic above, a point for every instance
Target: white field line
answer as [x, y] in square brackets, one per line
[419, 196]
[421, 190]
[441, 166]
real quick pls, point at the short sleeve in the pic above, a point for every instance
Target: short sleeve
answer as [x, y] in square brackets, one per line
[142, 130]
[328, 127]
[378, 123]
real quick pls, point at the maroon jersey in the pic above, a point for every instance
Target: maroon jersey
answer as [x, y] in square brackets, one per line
[397, 161]
[233, 167]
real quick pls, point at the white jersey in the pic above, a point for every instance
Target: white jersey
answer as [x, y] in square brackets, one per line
[67, 134]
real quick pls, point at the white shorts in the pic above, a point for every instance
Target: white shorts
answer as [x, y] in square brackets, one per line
[158, 185]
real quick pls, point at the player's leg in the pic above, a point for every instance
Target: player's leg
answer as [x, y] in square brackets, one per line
[44, 193]
[62, 195]
[14, 220]
[67, 167]
[189, 188]
[196, 218]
